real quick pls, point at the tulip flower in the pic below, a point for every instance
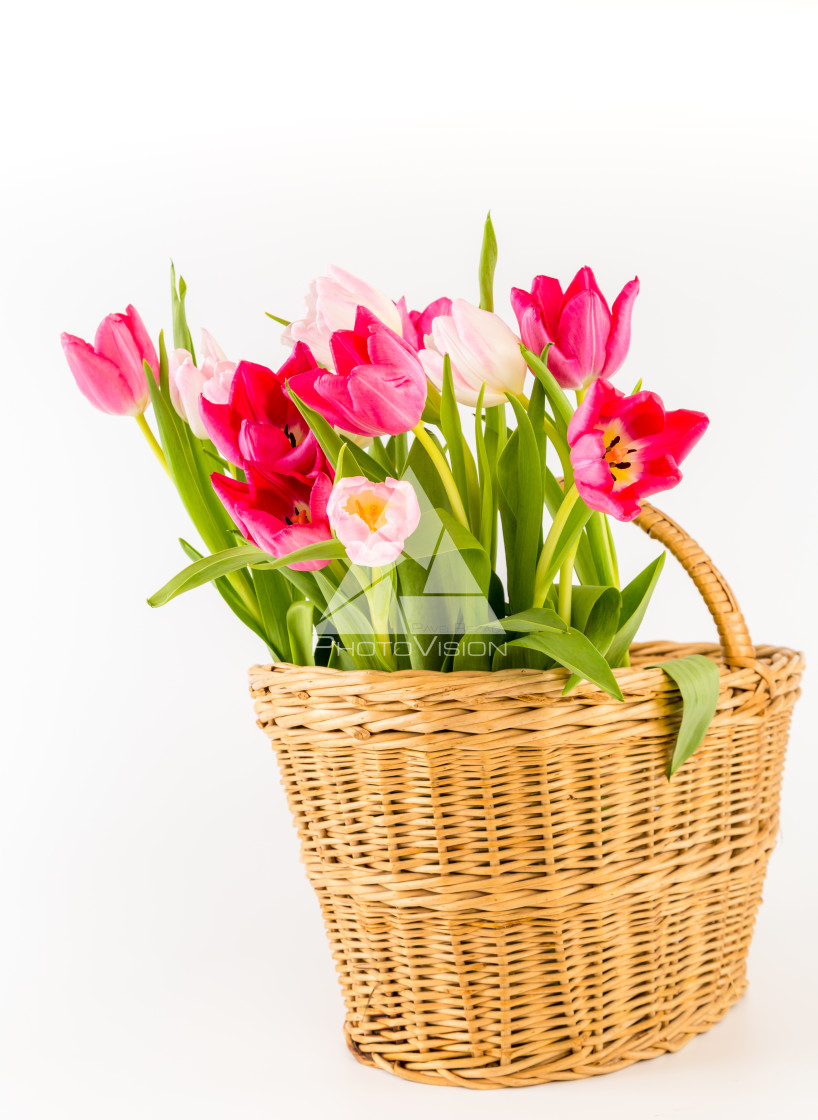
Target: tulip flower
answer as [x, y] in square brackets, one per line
[587, 339]
[482, 351]
[188, 382]
[110, 373]
[331, 305]
[378, 387]
[624, 448]
[418, 324]
[373, 520]
[259, 425]
[280, 519]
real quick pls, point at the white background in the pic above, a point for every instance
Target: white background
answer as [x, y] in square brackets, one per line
[161, 954]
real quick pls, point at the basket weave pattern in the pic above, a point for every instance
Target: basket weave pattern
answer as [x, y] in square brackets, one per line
[512, 889]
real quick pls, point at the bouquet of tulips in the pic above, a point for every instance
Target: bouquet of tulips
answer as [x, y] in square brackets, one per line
[378, 501]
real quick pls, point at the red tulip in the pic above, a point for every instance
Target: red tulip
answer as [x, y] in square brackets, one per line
[587, 339]
[378, 387]
[418, 324]
[110, 373]
[626, 448]
[260, 426]
[280, 519]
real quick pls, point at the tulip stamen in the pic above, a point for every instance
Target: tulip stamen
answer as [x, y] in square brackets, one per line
[613, 443]
[290, 435]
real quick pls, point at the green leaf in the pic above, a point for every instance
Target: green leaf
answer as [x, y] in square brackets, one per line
[232, 559]
[190, 478]
[275, 595]
[181, 333]
[697, 679]
[576, 653]
[431, 410]
[584, 563]
[485, 480]
[464, 472]
[299, 627]
[471, 655]
[598, 619]
[329, 440]
[534, 620]
[234, 602]
[635, 599]
[488, 262]
[527, 506]
[284, 322]
[574, 524]
[420, 469]
[557, 398]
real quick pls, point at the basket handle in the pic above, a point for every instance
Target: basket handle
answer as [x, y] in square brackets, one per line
[710, 583]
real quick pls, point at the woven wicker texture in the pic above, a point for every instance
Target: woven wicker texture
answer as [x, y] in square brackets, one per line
[513, 890]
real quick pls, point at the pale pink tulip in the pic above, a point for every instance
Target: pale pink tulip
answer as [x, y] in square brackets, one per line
[373, 519]
[483, 350]
[331, 305]
[188, 383]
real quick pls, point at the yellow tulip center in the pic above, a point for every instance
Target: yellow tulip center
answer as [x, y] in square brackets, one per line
[370, 508]
[621, 460]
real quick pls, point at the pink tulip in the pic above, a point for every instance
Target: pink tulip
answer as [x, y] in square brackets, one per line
[482, 350]
[626, 448]
[260, 427]
[188, 382]
[418, 324]
[331, 305]
[587, 339]
[378, 388]
[110, 373]
[372, 520]
[282, 519]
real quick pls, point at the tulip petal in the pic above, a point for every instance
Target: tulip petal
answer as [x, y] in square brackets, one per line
[101, 381]
[142, 340]
[619, 339]
[548, 295]
[585, 324]
[216, 419]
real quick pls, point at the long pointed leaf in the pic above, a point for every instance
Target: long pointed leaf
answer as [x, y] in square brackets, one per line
[488, 262]
[576, 653]
[232, 559]
[635, 599]
[697, 679]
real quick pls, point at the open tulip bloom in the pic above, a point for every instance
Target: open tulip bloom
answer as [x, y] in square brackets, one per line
[410, 489]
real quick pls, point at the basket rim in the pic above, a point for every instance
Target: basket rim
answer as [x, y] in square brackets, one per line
[770, 663]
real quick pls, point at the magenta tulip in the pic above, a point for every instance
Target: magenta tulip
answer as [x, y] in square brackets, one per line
[259, 426]
[417, 325]
[110, 373]
[378, 387]
[280, 519]
[624, 448]
[588, 340]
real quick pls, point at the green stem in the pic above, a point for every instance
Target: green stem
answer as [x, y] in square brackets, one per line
[400, 452]
[550, 543]
[152, 442]
[566, 584]
[611, 548]
[443, 469]
[379, 594]
[600, 543]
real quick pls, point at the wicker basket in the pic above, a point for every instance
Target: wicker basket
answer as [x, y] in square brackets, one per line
[513, 891]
